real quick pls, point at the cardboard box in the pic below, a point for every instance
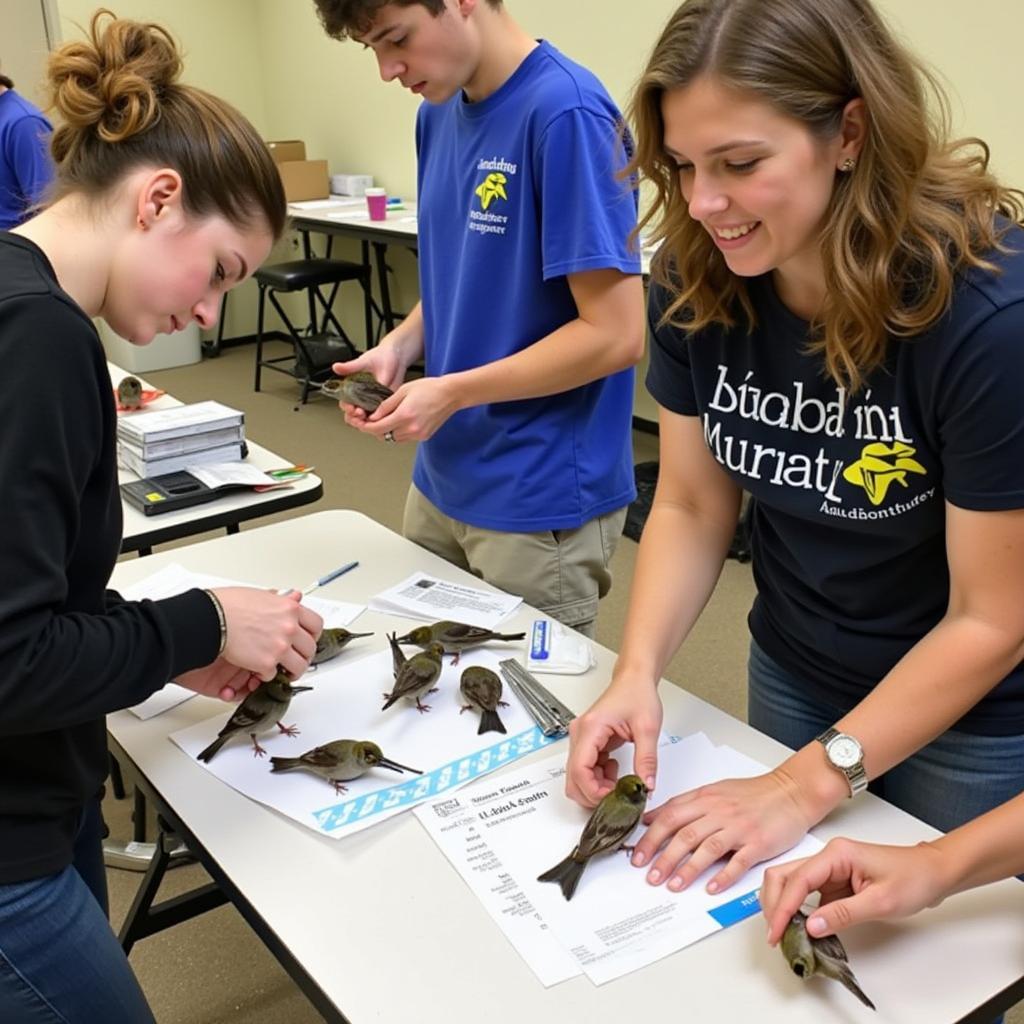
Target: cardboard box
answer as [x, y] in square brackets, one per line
[304, 179]
[287, 149]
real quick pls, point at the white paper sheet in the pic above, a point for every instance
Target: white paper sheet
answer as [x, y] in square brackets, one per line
[500, 840]
[427, 598]
[172, 579]
[175, 579]
[336, 614]
[346, 704]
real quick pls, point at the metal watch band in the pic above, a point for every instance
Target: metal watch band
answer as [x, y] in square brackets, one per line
[856, 776]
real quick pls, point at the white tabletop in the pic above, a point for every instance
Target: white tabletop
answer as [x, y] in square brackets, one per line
[351, 211]
[340, 212]
[142, 531]
[389, 931]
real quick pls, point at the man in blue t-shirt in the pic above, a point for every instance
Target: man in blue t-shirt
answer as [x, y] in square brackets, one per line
[531, 311]
[25, 167]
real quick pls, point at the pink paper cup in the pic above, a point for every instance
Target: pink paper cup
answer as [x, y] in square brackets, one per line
[377, 203]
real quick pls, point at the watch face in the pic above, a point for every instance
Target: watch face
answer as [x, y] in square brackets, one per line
[844, 751]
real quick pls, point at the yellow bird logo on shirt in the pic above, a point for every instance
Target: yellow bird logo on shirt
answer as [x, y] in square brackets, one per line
[492, 187]
[880, 465]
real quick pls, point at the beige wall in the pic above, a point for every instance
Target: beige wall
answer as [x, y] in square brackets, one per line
[272, 59]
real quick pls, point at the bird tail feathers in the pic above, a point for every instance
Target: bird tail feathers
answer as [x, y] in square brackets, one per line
[566, 873]
[490, 722]
[207, 754]
[284, 764]
[847, 978]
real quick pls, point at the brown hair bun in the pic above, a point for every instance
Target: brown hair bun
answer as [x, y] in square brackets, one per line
[113, 82]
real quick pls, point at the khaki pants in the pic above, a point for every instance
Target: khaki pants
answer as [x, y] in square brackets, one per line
[562, 572]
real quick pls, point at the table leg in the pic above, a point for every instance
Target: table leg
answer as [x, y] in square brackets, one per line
[379, 249]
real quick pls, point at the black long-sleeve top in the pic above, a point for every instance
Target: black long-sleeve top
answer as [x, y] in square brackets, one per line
[70, 649]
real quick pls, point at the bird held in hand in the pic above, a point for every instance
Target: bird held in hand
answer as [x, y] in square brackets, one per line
[415, 677]
[608, 828]
[807, 956]
[340, 761]
[456, 637]
[261, 710]
[482, 688]
[332, 642]
[361, 389]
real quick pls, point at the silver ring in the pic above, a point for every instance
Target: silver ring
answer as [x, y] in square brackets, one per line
[389, 436]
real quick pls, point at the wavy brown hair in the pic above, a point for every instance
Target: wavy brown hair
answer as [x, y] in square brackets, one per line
[120, 107]
[917, 210]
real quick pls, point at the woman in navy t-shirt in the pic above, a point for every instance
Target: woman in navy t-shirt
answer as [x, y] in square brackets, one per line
[836, 311]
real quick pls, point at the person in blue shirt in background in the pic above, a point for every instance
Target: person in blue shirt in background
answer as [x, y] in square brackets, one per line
[531, 311]
[25, 166]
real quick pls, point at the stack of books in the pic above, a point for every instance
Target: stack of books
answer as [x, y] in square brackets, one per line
[168, 440]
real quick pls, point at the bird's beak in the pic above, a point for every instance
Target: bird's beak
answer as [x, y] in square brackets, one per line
[300, 689]
[403, 639]
[354, 635]
[386, 762]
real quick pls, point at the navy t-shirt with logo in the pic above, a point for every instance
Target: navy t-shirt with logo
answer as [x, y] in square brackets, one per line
[850, 489]
[516, 192]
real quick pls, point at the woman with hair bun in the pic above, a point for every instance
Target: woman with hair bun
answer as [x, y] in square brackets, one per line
[837, 312]
[164, 198]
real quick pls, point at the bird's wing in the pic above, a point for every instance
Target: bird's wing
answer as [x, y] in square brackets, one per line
[602, 833]
[830, 947]
[459, 632]
[320, 757]
[250, 712]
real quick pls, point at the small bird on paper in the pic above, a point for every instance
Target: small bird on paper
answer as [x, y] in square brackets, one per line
[361, 389]
[332, 642]
[608, 828]
[482, 688]
[414, 677]
[129, 393]
[455, 637]
[340, 761]
[261, 710]
[807, 956]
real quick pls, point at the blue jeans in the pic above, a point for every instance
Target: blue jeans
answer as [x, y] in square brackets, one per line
[60, 963]
[953, 779]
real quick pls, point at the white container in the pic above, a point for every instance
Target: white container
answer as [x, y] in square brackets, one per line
[162, 353]
[351, 184]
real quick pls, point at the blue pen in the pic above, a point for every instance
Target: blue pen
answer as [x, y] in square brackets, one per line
[332, 575]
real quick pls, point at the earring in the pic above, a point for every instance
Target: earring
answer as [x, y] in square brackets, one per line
[142, 223]
[848, 165]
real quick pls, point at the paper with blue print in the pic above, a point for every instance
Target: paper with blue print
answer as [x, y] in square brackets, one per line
[345, 703]
[499, 835]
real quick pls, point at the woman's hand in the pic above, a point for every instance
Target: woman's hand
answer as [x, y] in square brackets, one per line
[627, 712]
[220, 679]
[266, 630]
[385, 362]
[751, 819]
[857, 881]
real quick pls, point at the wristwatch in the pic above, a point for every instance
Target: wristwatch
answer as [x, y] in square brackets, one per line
[846, 755]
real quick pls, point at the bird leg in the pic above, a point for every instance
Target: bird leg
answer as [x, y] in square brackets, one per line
[338, 787]
[288, 730]
[503, 704]
[258, 751]
[465, 707]
[422, 708]
[455, 658]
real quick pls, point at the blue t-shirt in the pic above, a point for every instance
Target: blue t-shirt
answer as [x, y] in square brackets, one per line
[849, 490]
[25, 167]
[516, 192]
